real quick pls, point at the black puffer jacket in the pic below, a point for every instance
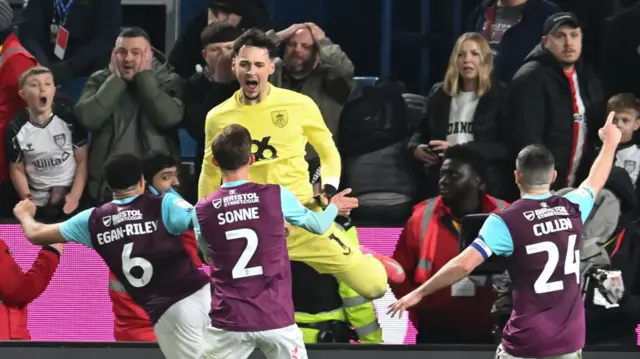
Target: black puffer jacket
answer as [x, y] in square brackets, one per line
[539, 109]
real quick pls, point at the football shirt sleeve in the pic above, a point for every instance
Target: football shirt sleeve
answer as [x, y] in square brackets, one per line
[176, 214]
[76, 228]
[202, 243]
[494, 238]
[322, 141]
[210, 175]
[584, 198]
[300, 216]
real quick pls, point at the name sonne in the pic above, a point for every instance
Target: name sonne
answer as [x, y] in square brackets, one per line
[129, 229]
[557, 225]
[237, 215]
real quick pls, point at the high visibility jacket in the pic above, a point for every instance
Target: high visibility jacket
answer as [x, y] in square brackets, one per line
[14, 60]
[354, 309]
[17, 289]
[131, 322]
[428, 241]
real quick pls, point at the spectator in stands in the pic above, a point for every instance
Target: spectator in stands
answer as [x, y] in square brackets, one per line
[430, 239]
[186, 56]
[316, 67]
[627, 118]
[133, 106]
[14, 60]
[72, 38]
[47, 149]
[206, 90]
[18, 289]
[556, 99]
[131, 323]
[513, 29]
[464, 109]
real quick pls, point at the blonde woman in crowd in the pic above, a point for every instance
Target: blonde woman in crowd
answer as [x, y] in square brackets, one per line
[463, 109]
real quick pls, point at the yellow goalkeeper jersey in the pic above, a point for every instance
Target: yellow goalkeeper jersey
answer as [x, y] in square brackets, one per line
[280, 127]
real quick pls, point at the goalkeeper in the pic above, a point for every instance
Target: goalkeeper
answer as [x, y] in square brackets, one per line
[281, 122]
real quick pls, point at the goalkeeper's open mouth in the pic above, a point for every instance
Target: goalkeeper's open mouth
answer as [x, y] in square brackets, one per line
[251, 85]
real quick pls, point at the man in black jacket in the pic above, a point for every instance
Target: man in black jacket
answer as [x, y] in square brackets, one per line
[242, 14]
[556, 99]
[206, 90]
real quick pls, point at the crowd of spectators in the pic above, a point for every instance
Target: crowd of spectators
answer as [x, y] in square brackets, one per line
[517, 77]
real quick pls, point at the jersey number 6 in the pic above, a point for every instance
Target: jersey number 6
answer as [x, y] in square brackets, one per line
[240, 270]
[128, 263]
[571, 264]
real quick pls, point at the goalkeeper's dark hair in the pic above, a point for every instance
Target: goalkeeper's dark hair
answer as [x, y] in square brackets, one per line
[122, 171]
[232, 147]
[464, 153]
[256, 38]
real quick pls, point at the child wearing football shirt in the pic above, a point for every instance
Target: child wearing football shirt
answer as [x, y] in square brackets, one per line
[627, 119]
[46, 148]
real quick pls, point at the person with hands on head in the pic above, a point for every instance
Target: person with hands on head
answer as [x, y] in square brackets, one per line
[133, 106]
[17, 289]
[537, 223]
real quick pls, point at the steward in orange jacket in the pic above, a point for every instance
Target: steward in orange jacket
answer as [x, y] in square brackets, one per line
[18, 289]
[460, 314]
[131, 321]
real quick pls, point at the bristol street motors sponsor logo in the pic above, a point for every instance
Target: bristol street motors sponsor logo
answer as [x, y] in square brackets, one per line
[545, 212]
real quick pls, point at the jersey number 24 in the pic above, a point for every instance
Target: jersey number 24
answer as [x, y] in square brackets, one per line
[571, 264]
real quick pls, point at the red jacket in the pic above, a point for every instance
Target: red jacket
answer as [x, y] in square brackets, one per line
[132, 324]
[469, 316]
[18, 289]
[14, 60]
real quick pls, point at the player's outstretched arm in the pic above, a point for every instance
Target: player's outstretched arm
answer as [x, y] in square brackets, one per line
[76, 229]
[494, 238]
[315, 222]
[601, 168]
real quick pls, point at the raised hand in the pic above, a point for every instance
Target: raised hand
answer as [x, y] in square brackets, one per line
[610, 133]
[345, 204]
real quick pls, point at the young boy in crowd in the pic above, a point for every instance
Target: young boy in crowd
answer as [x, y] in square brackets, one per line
[627, 109]
[46, 148]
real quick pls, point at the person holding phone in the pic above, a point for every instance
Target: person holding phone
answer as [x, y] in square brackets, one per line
[462, 109]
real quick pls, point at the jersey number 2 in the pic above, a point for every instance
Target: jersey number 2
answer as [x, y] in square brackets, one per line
[240, 270]
[571, 264]
[128, 263]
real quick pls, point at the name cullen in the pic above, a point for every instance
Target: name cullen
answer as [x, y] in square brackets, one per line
[556, 225]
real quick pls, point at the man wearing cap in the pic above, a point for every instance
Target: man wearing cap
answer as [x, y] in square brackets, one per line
[14, 60]
[215, 84]
[556, 99]
[243, 14]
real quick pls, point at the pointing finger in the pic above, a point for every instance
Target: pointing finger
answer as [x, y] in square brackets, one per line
[612, 114]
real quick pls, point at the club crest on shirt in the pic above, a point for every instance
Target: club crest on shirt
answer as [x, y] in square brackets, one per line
[529, 215]
[60, 139]
[279, 118]
[629, 165]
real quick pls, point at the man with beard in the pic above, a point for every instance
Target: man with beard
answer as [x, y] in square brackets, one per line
[430, 239]
[556, 99]
[206, 90]
[316, 67]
